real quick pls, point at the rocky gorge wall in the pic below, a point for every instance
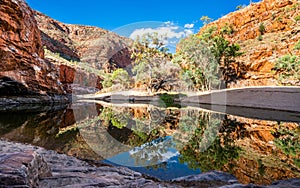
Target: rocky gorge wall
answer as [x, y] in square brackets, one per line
[281, 31]
[89, 44]
[27, 69]
[79, 52]
[23, 69]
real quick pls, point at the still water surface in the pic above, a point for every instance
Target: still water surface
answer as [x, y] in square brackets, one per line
[163, 142]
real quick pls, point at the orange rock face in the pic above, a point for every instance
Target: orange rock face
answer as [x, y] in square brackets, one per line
[93, 45]
[281, 32]
[21, 53]
[24, 69]
[96, 47]
[71, 77]
[261, 161]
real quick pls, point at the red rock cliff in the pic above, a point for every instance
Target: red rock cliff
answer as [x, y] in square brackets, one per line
[22, 68]
[95, 47]
[281, 32]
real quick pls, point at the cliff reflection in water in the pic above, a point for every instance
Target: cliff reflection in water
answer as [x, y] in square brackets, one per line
[156, 140]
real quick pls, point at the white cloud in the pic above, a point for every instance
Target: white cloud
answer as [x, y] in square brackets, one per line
[169, 23]
[169, 32]
[189, 26]
[188, 32]
[153, 150]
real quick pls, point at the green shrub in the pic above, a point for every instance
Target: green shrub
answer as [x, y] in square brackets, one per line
[288, 140]
[208, 33]
[279, 19]
[262, 28]
[291, 8]
[297, 45]
[288, 63]
[273, 16]
[297, 162]
[227, 29]
[107, 81]
[297, 18]
[202, 66]
[289, 68]
[152, 63]
[119, 76]
[207, 59]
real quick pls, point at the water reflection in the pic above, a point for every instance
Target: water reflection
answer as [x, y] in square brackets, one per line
[162, 142]
[50, 127]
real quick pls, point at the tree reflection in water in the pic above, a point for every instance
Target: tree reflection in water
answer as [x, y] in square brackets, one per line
[150, 135]
[288, 140]
[193, 133]
[212, 156]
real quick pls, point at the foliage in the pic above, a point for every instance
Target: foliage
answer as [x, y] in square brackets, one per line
[273, 16]
[202, 62]
[118, 120]
[151, 121]
[205, 19]
[149, 43]
[297, 162]
[142, 72]
[260, 38]
[261, 167]
[297, 45]
[152, 66]
[107, 81]
[289, 68]
[118, 77]
[198, 62]
[297, 18]
[279, 19]
[288, 141]
[208, 58]
[288, 146]
[152, 63]
[262, 28]
[225, 53]
[214, 158]
[169, 100]
[291, 8]
[141, 130]
[219, 153]
[227, 29]
[208, 33]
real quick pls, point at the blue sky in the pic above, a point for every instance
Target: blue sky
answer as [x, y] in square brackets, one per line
[111, 14]
[124, 16]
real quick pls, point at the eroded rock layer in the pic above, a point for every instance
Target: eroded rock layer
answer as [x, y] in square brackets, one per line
[23, 69]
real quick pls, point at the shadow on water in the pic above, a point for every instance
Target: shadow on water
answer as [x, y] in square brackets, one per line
[164, 142]
[254, 113]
